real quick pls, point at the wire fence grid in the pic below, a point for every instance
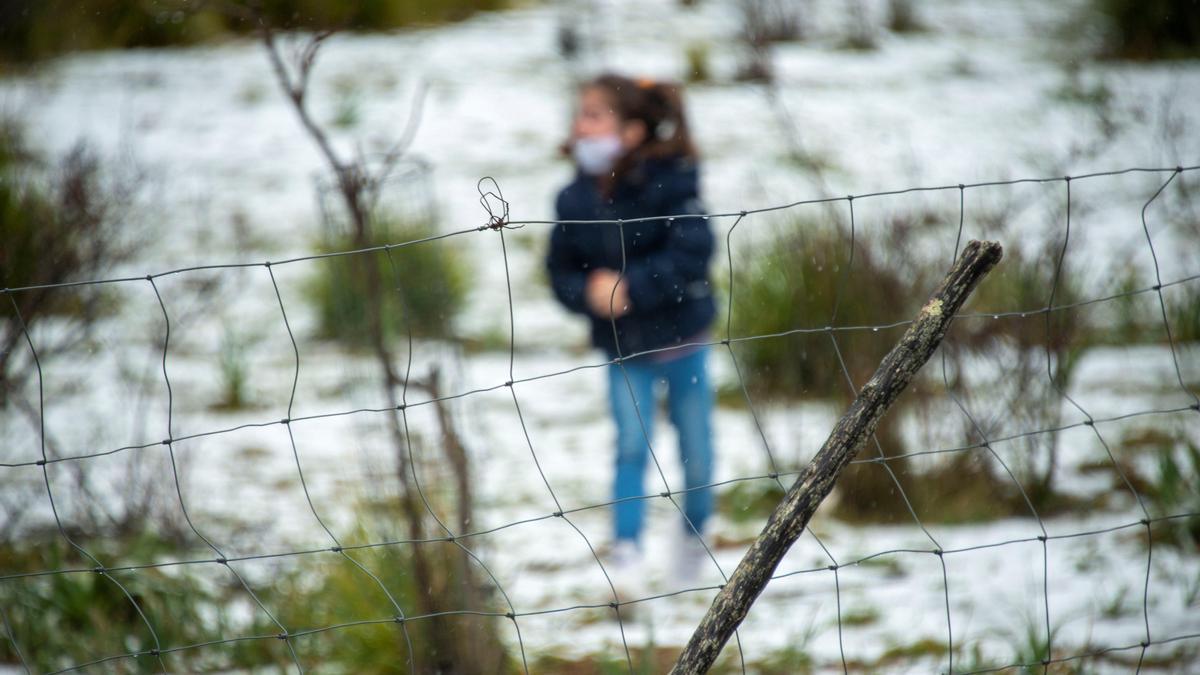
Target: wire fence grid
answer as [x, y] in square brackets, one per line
[497, 225]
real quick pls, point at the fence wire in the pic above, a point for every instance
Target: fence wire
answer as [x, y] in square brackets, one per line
[497, 225]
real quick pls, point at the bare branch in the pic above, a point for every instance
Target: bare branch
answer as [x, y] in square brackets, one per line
[297, 89]
[411, 125]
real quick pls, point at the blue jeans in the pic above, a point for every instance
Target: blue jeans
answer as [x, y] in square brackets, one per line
[690, 404]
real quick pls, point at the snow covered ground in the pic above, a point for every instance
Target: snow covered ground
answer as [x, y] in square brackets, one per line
[985, 93]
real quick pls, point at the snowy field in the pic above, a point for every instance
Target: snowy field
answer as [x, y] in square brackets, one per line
[987, 92]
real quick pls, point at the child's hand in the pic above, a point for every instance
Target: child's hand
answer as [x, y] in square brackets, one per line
[607, 294]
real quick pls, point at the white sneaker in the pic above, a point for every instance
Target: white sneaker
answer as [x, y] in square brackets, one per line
[625, 569]
[688, 558]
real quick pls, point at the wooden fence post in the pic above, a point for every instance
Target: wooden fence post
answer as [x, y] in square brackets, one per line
[815, 483]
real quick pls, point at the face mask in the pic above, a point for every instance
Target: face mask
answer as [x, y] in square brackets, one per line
[596, 155]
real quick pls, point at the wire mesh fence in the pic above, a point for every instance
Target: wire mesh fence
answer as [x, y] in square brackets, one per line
[1143, 517]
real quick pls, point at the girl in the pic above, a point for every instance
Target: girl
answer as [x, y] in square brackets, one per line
[645, 287]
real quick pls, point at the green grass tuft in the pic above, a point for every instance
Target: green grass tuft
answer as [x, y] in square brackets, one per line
[423, 286]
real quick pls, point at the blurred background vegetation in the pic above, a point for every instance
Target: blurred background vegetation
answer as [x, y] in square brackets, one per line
[37, 29]
[811, 274]
[92, 616]
[1150, 29]
[430, 282]
[61, 219]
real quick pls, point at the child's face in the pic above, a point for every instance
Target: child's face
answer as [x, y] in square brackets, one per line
[596, 118]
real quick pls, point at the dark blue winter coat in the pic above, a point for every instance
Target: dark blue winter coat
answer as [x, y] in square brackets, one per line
[666, 261]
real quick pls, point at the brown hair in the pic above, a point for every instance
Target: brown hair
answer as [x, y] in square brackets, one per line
[658, 105]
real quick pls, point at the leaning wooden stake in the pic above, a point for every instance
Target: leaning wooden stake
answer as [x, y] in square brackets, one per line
[816, 481]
